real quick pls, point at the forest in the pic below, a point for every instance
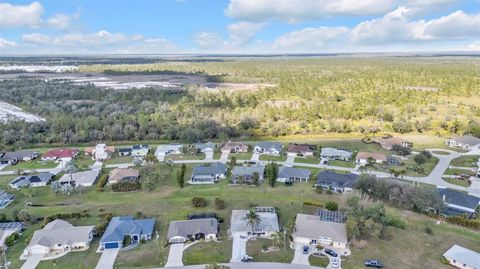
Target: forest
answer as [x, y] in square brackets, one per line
[437, 96]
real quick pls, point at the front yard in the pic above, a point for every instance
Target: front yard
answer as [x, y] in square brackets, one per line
[266, 157]
[466, 161]
[313, 160]
[342, 163]
[179, 157]
[456, 181]
[259, 250]
[31, 165]
[241, 156]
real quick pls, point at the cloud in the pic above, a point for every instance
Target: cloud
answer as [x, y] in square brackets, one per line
[397, 26]
[242, 33]
[293, 11]
[309, 39]
[208, 40]
[475, 46]
[73, 39]
[30, 16]
[7, 43]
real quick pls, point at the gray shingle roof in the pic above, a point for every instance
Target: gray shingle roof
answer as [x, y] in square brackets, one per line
[126, 225]
[202, 146]
[270, 145]
[60, 232]
[335, 179]
[467, 139]
[288, 172]
[310, 226]
[248, 170]
[24, 181]
[186, 228]
[211, 169]
[459, 198]
[333, 152]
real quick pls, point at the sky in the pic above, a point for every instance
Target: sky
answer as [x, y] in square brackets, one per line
[237, 26]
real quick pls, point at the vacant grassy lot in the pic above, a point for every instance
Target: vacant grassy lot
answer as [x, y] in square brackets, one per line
[242, 156]
[176, 157]
[32, 165]
[119, 159]
[168, 202]
[466, 161]
[265, 157]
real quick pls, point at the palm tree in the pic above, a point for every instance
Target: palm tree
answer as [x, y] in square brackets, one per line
[277, 239]
[252, 218]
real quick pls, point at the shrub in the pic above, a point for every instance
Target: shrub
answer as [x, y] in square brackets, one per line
[23, 215]
[199, 202]
[101, 183]
[10, 240]
[126, 186]
[332, 206]
[428, 230]
[319, 190]
[219, 204]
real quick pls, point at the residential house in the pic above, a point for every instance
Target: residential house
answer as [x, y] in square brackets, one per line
[457, 202]
[363, 157]
[100, 152]
[387, 142]
[205, 147]
[7, 229]
[288, 174]
[165, 150]
[270, 148]
[460, 257]
[124, 152]
[31, 181]
[466, 142]
[330, 180]
[234, 147]
[246, 173]
[57, 238]
[5, 199]
[266, 227]
[123, 226]
[6, 159]
[16, 156]
[208, 173]
[311, 230]
[64, 154]
[328, 154]
[123, 174]
[83, 178]
[302, 150]
[140, 151]
[191, 230]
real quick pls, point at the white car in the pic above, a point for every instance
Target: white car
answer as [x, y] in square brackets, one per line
[334, 263]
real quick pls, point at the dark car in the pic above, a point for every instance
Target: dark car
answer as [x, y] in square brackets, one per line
[373, 263]
[247, 259]
[331, 252]
[305, 250]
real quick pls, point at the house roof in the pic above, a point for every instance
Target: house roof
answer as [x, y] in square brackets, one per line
[11, 226]
[268, 220]
[209, 169]
[121, 173]
[459, 198]
[185, 228]
[19, 154]
[389, 141]
[5, 196]
[138, 147]
[248, 170]
[288, 172]
[168, 148]
[270, 145]
[124, 149]
[208, 145]
[333, 152]
[232, 145]
[463, 255]
[61, 153]
[363, 155]
[126, 225]
[23, 181]
[60, 232]
[331, 216]
[337, 180]
[299, 148]
[310, 226]
[81, 178]
[467, 139]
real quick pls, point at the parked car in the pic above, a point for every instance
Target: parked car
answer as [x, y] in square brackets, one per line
[373, 263]
[305, 249]
[334, 263]
[247, 259]
[331, 252]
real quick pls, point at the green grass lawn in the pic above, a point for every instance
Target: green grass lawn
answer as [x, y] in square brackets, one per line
[255, 246]
[209, 252]
[119, 159]
[320, 261]
[440, 152]
[342, 163]
[241, 156]
[217, 155]
[313, 160]
[265, 157]
[83, 161]
[177, 157]
[455, 171]
[456, 181]
[466, 161]
[31, 165]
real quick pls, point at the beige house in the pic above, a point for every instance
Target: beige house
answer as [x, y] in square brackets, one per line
[310, 230]
[363, 156]
[461, 257]
[123, 174]
[57, 238]
[466, 142]
[387, 142]
[234, 147]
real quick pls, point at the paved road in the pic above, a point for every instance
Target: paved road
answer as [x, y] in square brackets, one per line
[254, 265]
[107, 259]
[32, 261]
[255, 157]
[175, 255]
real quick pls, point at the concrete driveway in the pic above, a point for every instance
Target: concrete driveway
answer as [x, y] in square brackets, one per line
[175, 255]
[290, 161]
[209, 155]
[255, 157]
[224, 157]
[32, 261]
[107, 259]
[299, 257]
[239, 247]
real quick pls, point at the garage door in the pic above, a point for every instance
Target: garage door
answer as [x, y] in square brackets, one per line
[111, 245]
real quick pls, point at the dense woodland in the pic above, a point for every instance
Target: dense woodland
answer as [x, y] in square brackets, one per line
[438, 96]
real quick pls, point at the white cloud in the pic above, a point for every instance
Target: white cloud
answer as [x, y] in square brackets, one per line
[31, 16]
[241, 33]
[208, 40]
[397, 26]
[309, 39]
[73, 39]
[475, 46]
[293, 11]
[7, 43]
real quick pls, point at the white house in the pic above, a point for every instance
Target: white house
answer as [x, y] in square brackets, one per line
[140, 151]
[466, 142]
[270, 148]
[165, 150]
[83, 178]
[461, 257]
[266, 227]
[311, 230]
[328, 154]
[194, 229]
[58, 237]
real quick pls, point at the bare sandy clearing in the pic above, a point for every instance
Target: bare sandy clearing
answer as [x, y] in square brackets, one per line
[10, 112]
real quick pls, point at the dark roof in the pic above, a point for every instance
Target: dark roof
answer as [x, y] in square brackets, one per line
[459, 198]
[209, 169]
[144, 146]
[336, 180]
[209, 215]
[270, 145]
[124, 149]
[23, 181]
[288, 172]
[331, 216]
